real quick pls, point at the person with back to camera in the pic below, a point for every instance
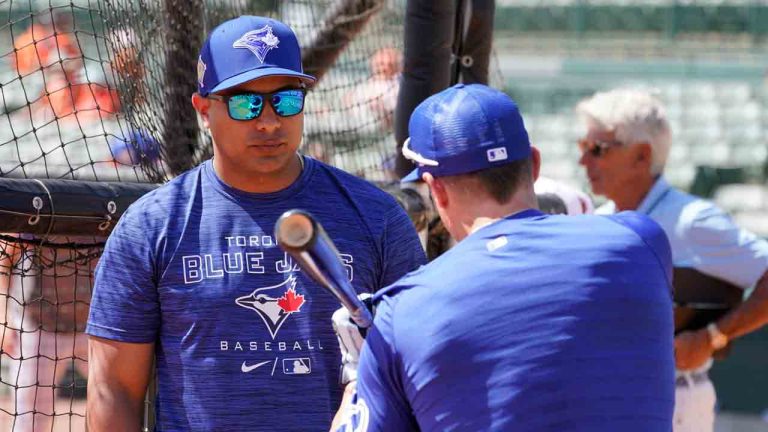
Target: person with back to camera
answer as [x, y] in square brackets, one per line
[532, 322]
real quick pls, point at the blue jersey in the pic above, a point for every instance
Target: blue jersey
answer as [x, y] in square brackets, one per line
[244, 340]
[532, 323]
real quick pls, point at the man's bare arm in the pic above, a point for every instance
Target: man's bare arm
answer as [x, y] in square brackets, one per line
[693, 348]
[118, 373]
[346, 401]
[750, 315]
[9, 255]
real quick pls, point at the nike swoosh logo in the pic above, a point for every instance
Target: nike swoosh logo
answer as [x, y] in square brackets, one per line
[247, 369]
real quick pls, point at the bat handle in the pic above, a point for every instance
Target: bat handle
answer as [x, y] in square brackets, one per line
[362, 317]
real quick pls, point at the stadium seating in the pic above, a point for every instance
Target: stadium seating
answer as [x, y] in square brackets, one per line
[704, 59]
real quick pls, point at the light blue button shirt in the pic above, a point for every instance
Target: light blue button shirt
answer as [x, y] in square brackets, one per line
[703, 236]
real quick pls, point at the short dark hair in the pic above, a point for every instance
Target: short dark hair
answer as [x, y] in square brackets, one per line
[501, 182]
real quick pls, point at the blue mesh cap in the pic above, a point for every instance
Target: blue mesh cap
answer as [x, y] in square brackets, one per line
[462, 129]
[246, 48]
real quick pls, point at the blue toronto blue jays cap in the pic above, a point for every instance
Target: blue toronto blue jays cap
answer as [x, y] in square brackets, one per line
[462, 129]
[246, 48]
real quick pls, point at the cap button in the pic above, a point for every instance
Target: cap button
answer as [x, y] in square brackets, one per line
[460, 85]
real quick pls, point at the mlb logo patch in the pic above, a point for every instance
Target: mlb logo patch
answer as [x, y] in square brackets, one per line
[297, 366]
[497, 154]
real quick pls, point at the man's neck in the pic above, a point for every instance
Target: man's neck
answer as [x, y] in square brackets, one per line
[262, 182]
[486, 211]
[631, 198]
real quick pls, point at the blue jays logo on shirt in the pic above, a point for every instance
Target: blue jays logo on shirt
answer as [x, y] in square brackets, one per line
[259, 42]
[274, 304]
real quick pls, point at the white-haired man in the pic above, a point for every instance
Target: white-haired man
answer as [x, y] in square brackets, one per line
[624, 152]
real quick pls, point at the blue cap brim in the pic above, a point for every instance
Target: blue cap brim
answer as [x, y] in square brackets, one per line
[413, 176]
[259, 73]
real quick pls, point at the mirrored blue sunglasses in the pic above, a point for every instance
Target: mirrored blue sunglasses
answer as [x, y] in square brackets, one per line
[248, 105]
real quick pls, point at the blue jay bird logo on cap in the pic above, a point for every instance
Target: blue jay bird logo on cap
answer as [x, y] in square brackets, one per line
[259, 41]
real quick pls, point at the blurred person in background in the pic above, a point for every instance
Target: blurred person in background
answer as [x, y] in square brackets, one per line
[50, 46]
[128, 65]
[364, 113]
[137, 148]
[376, 97]
[624, 153]
[46, 291]
[556, 197]
[76, 102]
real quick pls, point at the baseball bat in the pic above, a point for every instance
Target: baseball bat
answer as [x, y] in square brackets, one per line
[301, 235]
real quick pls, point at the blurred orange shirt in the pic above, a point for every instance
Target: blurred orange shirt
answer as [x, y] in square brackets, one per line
[38, 48]
[87, 100]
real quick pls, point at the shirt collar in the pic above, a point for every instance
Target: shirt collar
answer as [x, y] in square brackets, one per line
[652, 198]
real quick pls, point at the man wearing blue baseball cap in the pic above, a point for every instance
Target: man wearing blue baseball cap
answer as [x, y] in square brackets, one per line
[192, 273]
[532, 322]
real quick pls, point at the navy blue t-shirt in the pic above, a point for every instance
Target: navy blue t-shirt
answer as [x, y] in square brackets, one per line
[532, 323]
[244, 340]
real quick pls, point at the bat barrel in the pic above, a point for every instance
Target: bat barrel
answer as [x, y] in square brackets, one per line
[299, 234]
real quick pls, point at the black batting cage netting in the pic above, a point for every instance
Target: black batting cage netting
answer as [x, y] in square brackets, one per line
[100, 90]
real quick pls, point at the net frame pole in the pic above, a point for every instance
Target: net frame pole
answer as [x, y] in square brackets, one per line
[460, 29]
[445, 42]
[477, 36]
[184, 29]
[429, 46]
